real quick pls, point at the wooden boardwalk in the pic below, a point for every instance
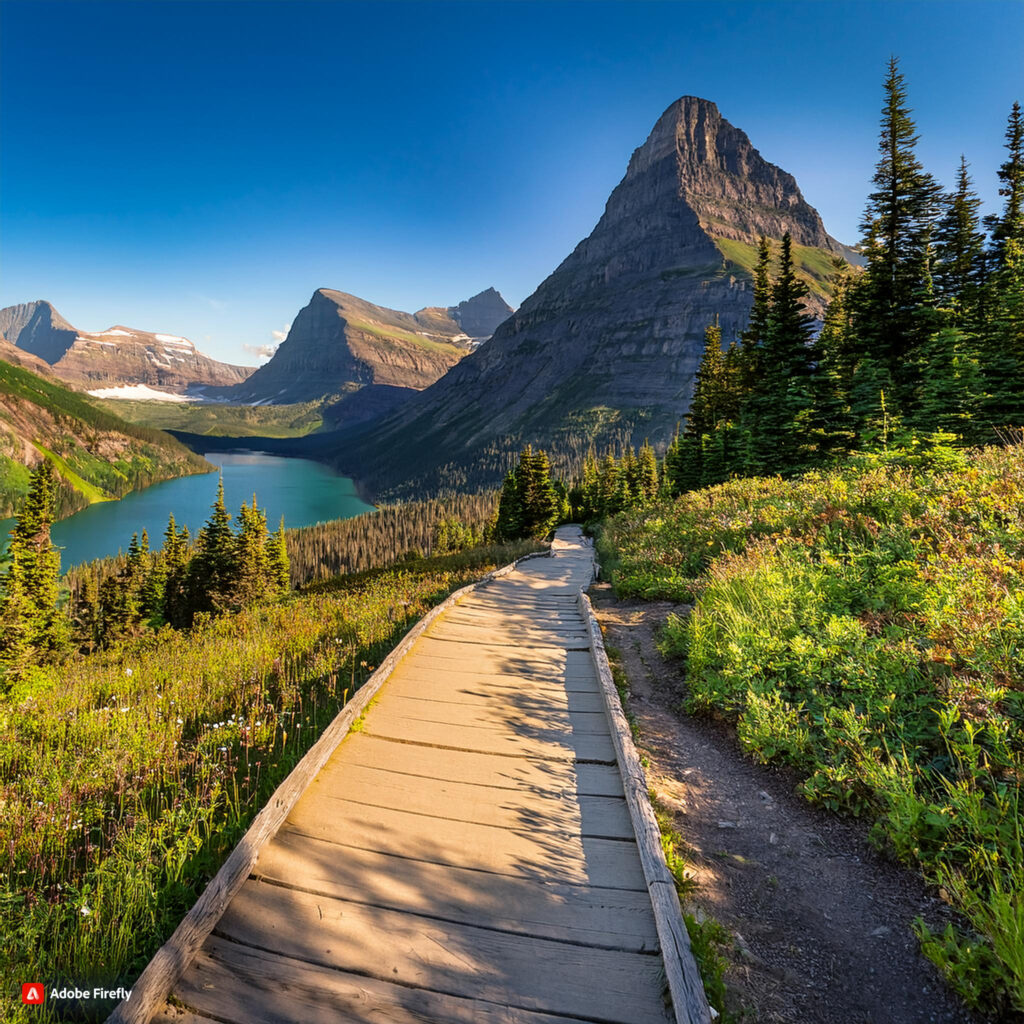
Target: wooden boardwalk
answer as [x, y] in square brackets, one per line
[467, 852]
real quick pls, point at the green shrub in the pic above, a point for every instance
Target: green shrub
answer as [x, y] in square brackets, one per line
[867, 627]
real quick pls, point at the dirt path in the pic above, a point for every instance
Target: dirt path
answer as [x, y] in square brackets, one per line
[821, 921]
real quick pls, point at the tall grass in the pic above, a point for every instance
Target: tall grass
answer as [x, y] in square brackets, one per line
[867, 627]
[127, 776]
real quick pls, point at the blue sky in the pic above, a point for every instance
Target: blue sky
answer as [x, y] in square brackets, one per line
[199, 168]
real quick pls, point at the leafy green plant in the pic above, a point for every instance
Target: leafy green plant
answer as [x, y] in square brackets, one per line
[866, 626]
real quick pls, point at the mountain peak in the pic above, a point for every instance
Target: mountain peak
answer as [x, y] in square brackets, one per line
[735, 193]
[604, 352]
[38, 328]
[480, 315]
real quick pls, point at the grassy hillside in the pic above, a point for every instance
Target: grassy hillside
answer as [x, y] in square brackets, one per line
[813, 266]
[98, 456]
[388, 332]
[215, 419]
[867, 627]
[126, 777]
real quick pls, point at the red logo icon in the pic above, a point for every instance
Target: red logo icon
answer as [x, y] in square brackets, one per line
[33, 993]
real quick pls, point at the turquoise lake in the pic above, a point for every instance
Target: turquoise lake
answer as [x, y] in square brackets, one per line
[302, 491]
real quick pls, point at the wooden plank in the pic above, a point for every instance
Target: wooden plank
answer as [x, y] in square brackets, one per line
[419, 664]
[441, 956]
[512, 715]
[508, 659]
[547, 743]
[513, 622]
[515, 773]
[518, 603]
[689, 1001]
[488, 638]
[523, 626]
[467, 693]
[460, 801]
[469, 611]
[152, 986]
[241, 985]
[612, 918]
[553, 856]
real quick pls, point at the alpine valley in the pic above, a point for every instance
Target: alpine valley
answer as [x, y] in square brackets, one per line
[603, 353]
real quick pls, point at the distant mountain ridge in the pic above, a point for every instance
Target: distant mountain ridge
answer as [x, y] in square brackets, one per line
[372, 356]
[119, 355]
[605, 350]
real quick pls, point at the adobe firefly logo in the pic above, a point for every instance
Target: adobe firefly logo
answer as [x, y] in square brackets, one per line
[32, 993]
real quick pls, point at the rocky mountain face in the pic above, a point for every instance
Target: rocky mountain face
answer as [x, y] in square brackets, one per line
[120, 355]
[372, 356]
[479, 316]
[607, 347]
[12, 354]
[37, 328]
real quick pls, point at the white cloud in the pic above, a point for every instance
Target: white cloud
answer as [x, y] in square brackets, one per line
[266, 351]
[263, 351]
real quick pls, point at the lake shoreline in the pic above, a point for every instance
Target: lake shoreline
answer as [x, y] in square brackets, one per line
[303, 491]
[314, 447]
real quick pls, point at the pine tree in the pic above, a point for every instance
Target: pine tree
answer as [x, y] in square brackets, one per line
[86, 624]
[34, 628]
[960, 255]
[587, 497]
[894, 299]
[709, 387]
[831, 426]
[538, 501]
[647, 472]
[672, 469]
[779, 403]
[213, 568]
[508, 525]
[790, 326]
[1009, 224]
[1002, 340]
[278, 564]
[564, 505]
[174, 554]
[951, 386]
[608, 484]
[753, 338]
[251, 572]
[870, 391]
[117, 613]
[15, 644]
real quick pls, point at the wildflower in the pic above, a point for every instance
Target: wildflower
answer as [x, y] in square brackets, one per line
[128, 672]
[124, 711]
[86, 911]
